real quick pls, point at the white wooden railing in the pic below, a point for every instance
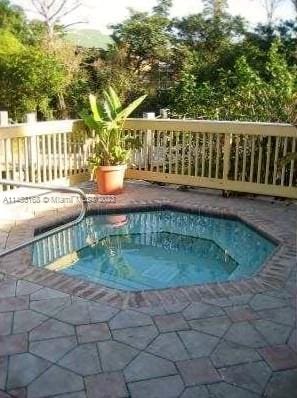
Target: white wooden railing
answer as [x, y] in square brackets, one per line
[44, 151]
[235, 156]
[232, 156]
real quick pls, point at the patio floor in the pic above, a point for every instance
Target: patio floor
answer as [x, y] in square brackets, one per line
[240, 343]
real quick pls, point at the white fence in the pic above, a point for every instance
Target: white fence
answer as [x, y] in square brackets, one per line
[233, 156]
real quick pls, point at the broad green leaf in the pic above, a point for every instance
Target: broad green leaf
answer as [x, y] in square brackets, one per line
[90, 122]
[115, 99]
[108, 110]
[106, 122]
[130, 108]
[94, 107]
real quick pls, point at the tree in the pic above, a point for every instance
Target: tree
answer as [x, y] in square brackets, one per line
[139, 60]
[19, 37]
[54, 12]
[210, 30]
[215, 8]
[199, 31]
[163, 8]
[11, 17]
[210, 37]
[13, 20]
[146, 39]
[112, 68]
[240, 93]
[210, 64]
[30, 81]
[271, 7]
[50, 39]
[70, 60]
[9, 43]
[264, 35]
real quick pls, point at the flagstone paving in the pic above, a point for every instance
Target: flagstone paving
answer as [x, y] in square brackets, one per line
[54, 344]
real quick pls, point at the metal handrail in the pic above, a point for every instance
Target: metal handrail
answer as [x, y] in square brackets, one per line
[84, 207]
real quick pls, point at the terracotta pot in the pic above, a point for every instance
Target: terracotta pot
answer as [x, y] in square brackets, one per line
[110, 179]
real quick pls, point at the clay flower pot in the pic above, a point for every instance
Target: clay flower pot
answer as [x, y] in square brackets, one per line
[110, 179]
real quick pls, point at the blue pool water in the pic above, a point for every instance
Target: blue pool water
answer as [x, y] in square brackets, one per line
[155, 250]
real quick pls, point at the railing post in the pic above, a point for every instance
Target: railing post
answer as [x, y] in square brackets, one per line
[32, 148]
[227, 150]
[4, 119]
[149, 139]
[3, 123]
[31, 117]
[164, 113]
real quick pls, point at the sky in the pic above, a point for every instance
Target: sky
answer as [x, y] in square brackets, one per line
[99, 14]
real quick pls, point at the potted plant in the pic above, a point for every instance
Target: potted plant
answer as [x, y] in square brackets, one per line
[111, 153]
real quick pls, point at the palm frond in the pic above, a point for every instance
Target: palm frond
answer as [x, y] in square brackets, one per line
[90, 121]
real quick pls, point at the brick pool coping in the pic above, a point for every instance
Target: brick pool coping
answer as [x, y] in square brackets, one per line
[273, 274]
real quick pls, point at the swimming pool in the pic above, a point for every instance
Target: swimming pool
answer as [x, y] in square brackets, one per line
[155, 249]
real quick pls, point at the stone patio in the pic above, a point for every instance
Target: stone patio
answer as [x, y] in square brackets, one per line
[65, 338]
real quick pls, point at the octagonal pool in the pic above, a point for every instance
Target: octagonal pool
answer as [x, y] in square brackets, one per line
[156, 249]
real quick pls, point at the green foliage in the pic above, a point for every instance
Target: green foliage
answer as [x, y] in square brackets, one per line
[12, 18]
[106, 122]
[29, 80]
[243, 93]
[114, 69]
[209, 36]
[146, 39]
[208, 65]
[37, 74]
[163, 8]
[9, 43]
[132, 65]
[88, 38]
[215, 8]
[76, 95]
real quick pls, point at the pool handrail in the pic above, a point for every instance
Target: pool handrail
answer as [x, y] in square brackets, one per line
[77, 220]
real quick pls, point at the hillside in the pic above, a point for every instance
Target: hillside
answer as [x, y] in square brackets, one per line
[89, 38]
